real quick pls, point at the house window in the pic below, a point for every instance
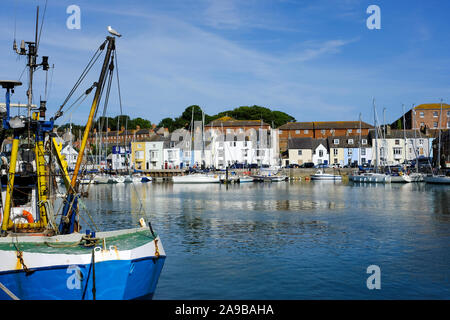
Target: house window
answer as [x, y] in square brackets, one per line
[397, 151]
[335, 141]
[422, 114]
[358, 130]
[350, 152]
[320, 153]
[305, 131]
[363, 160]
[435, 124]
[364, 141]
[363, 151]
[335, 160]
[350, 141]
[297, 131]
[435, 114]
[420, 141]
[335, 152]
[448, 114]
[397, 142]
[349, 130]
[299, 152]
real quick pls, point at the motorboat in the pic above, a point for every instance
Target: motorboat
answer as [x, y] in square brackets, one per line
[197, 178]
[320, 175]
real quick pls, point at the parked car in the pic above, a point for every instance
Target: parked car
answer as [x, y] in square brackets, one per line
[307, 165]
[321, 165]
[293, 165]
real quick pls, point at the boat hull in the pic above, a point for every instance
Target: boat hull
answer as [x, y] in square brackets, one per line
[196, 179]
[56, 273]
[372, 178]
[326, 177]
[437, 179]
[401, 179]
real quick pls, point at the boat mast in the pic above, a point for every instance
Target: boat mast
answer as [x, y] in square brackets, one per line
[439, 145]
[359, 144]
[110, 48]
[404, 132]
[376, 137]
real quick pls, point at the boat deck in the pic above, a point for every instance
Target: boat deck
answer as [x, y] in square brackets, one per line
[125, 239]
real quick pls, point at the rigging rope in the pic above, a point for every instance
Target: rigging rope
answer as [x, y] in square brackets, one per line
[81, 78]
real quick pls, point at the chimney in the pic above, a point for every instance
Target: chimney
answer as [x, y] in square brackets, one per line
[153, 126]
[108, 129]
[138, 127]
[122, 129]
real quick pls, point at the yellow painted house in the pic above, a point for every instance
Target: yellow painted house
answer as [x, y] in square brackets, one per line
[138, 155]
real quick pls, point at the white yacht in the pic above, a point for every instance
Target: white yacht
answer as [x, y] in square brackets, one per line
[197, 178]
[320, 175]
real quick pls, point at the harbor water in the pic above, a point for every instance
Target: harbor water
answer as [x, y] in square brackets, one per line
[289, 240]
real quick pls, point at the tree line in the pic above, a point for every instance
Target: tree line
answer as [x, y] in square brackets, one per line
[274, 118]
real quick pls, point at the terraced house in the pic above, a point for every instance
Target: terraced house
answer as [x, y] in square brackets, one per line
[302, 150]
[320, 130]
[350, 150]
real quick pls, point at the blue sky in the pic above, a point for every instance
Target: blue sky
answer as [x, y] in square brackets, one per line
[315, 60]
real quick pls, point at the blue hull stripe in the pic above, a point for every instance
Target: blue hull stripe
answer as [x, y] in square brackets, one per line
[114, 280]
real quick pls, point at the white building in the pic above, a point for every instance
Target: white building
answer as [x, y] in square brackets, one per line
[120, 157]
[154, 149]
[70, 155]
[177, 150]
[397, 146]
[251, 146]
[320, 152]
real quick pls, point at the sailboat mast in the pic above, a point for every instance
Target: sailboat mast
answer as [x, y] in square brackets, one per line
[110, 48]
[359, 144]
[404, 131]
[376, 137]
[439, 145]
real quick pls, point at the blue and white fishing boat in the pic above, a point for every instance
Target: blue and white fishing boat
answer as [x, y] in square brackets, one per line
[41, 258]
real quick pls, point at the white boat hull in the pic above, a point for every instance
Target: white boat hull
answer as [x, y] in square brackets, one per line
[401, 179]
[196, 179]
[372, 178]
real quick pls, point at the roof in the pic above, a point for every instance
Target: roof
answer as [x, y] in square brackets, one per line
[156, 137]
[306, 143]
[143, 131]
[325, 125]
[399, 134]
[344, 143]
[432, 106]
